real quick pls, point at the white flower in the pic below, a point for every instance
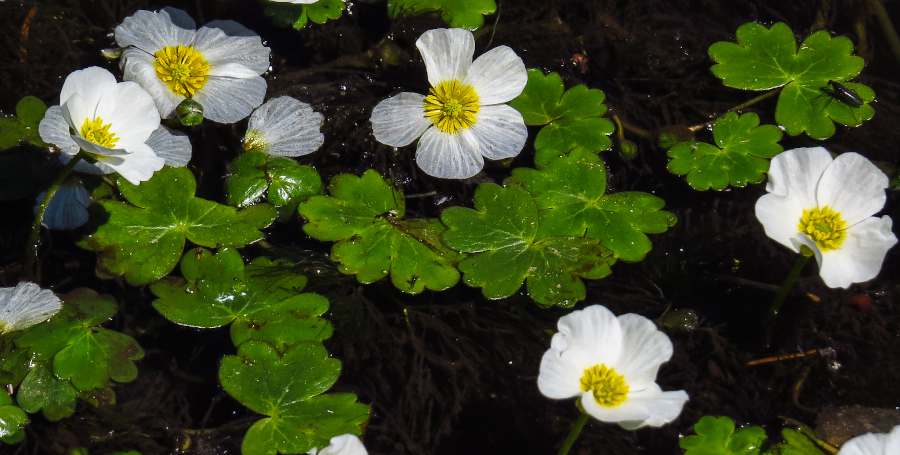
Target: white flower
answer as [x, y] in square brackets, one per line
[873, 444]
[218, 65]
[26, 305]
[284, 126]
[611, 364]
[115, 123]
[827, 205]
[346, 444]
[463, 119]
[68, 209]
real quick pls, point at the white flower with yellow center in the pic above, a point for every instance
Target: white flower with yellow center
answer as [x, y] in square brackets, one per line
[463, 119]
[284, 126]
[873, 444]
[219, 65]
[611, 364]
[827, 205]
[346, 444]
[115, 123]
[26, 305]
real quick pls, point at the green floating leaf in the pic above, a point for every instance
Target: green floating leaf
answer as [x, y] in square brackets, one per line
[42, 391]
[288, 183]
[467, 14]
[571, 194]
[510, 242]
[741, 154]
[364, 215]
[288, 390]
[12, 417]
[573, 118]
[767, 58]
[717, 436]
[24, 126]
[262, 301]
[298, 16]
[795, 443]
[144, 238]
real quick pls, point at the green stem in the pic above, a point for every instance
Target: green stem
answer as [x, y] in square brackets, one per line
[573, 433]
[739, 107]
[789, 283]
[33, 246]
[887, 27]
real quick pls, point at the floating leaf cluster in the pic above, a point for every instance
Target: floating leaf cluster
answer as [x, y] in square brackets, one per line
[299, 16]
[467, 14]
[718, 435]
[23, 127]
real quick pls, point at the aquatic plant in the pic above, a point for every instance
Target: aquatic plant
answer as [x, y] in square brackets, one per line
[718, 435]
[463, 119]
[299, 13]
[346, 444]
[468, 14]
[23, 127]
[25, 305]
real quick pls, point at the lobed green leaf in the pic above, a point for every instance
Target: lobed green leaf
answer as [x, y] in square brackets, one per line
[298, 16]
[285, 182]
[717, 436]
[468, 14]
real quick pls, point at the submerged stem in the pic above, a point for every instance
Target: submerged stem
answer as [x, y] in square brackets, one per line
[33, 245]
[573, 433]
[789, 282]
[742, 106]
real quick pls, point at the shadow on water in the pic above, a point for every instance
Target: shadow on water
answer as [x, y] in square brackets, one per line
[449, 373]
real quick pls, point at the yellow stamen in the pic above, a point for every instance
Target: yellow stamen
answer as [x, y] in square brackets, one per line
[606, 384]
[825, 226]
[182, 68]
[452, 106]
[254, 141]
[96, 131]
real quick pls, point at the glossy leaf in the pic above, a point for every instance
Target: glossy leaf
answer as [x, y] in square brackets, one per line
[143, 239]
[467, 14]
[765, 58]
[298, 16]
[795, 443]
[717, 436]
[740, 155]
[571, 195]
[573, 118]
[285, 182]
[365, 216]
[12, 417]
[262, 301]
[42, 391]
[509, 243]
[23, 127]
[288, 390]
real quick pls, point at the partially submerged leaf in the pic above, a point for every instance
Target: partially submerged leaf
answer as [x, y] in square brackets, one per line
[285, 182]
[573, 118]
[767, 58]
[365, 216]
[143, 239]
[795, 443]
[740, 155]
[717, 436]
[509, 243]
[467, 14]
[298, 16]
[12, 417]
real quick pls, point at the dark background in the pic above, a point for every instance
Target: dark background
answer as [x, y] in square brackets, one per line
[451, 372]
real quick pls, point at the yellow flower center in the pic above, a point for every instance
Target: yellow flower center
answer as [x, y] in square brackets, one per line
[96, 131]
[452, 106]
[254, 141]
[825, 226]
[606, 384]
[182, 68]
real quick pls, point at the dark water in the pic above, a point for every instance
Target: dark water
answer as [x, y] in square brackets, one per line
[452, 373]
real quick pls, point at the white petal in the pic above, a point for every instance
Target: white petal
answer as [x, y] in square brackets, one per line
[560, 374]
[86, 167]
[68, 208]
[100, 150]
[449, 156]
[54, 129]
[860, 256]
[137, 66]
[290, 127]
[867, 444]
[595, 330]
[90, 83]
[447, 53]
[227, 100]
[780, 217]
[853, 186]
[644, 349]
[26, 305]
[500, 131]
[76, 111]
[498, 75]
[346, 444]
[233, 70]
[227, 42]
[651, 407]
[892, 445]
[174, 147]
[795, 174]
[153, 30]
[137, 166]
[400, 119]
[131, 113]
